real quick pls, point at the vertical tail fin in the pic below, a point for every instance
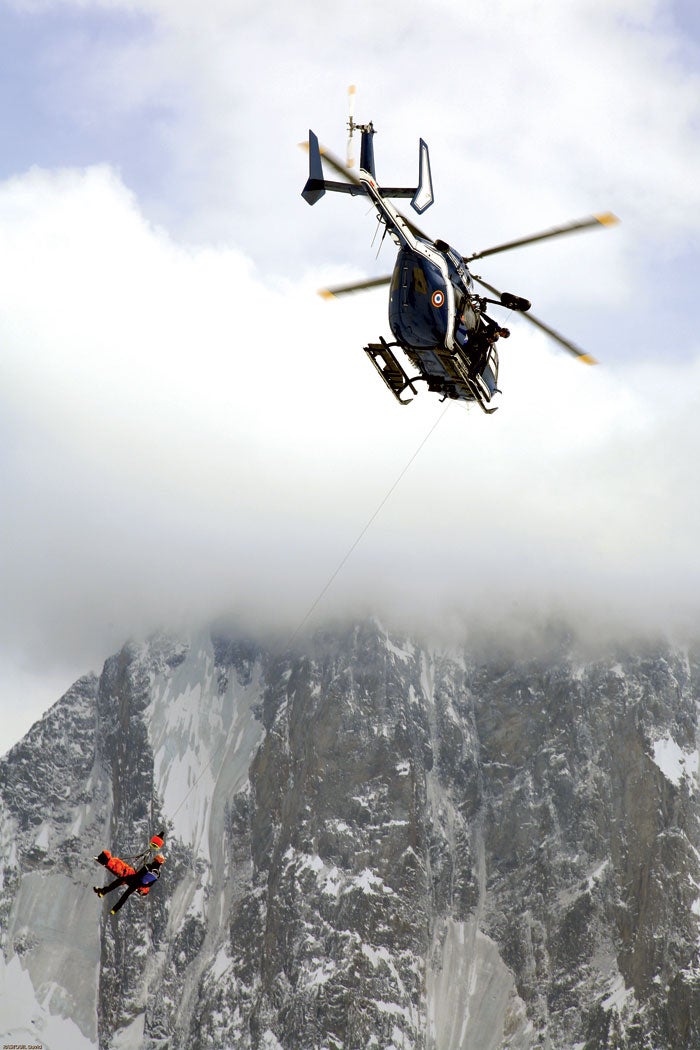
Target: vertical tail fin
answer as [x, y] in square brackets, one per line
[423, 197]
[314, 188]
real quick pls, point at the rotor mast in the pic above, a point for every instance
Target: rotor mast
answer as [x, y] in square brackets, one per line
[367, 132]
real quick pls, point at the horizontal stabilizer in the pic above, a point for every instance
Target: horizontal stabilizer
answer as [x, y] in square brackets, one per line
[316, 185]
[396, 191]
[344, 187]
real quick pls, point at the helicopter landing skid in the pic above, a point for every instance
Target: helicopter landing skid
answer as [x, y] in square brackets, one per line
[392, 373]
[478, 397]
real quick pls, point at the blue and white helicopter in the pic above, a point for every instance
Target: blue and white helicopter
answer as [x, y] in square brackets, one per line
[437, 319]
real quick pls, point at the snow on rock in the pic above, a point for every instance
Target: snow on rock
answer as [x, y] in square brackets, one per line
[270, 1041]
[220, 964]
[42, 838]
[203, 741]
[368, 882]
[28, 1022]
[618, 994]
[130, 1037]
[673, 762]
[49, 930]
[407, 653]
[471, 994]
[60, 950]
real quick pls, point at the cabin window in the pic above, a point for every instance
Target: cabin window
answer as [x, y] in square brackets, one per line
[490, 373]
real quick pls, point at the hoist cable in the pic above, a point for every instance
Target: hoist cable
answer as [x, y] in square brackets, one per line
[337, 570]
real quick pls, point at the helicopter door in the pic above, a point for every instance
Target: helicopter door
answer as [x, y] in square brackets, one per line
[418, 307]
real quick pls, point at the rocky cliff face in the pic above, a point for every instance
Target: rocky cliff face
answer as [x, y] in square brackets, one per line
[371, 843]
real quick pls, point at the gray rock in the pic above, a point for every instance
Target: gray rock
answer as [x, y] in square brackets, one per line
[371, 842]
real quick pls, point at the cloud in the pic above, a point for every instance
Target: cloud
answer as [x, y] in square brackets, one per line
[181, 438]
[173, 425]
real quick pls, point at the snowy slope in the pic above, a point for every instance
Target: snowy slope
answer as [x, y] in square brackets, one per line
[53, 795]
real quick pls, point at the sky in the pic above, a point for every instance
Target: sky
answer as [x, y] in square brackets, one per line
[187, 429]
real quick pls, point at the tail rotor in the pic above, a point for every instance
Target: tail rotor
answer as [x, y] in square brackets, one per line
[350, 156]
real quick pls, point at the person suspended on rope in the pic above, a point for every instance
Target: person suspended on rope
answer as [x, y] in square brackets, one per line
[140, 879]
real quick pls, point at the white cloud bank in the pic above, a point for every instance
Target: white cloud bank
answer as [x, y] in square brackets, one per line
[180, 438]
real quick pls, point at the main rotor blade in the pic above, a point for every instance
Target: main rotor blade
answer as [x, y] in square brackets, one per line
[358, 286]
[606, 219]
[556, 336]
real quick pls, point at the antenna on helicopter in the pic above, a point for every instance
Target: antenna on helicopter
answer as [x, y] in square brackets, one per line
[350, 158]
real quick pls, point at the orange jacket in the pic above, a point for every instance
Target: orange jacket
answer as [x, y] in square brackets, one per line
[122, 870]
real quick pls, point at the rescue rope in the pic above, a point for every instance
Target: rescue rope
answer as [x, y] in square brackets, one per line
[367, 526]
[338, 568]
[153, 846]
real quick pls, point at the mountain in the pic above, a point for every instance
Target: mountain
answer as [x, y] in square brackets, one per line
[372, 841]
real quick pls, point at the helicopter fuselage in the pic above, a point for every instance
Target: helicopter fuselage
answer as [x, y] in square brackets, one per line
[433, 314]
[436, 318]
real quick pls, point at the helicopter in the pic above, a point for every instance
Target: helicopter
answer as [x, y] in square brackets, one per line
[438, 319]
